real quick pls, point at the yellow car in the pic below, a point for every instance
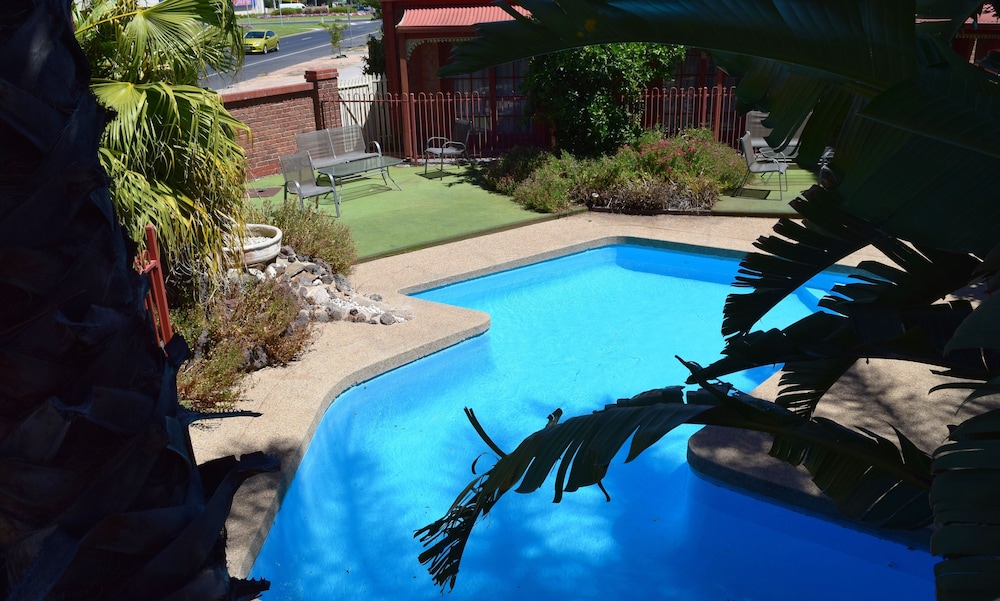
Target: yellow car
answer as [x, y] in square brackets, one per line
[260, 41]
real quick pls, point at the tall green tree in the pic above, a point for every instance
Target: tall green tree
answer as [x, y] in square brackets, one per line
[591, 96]
[916, 134]
[101, 497]
[170, 147]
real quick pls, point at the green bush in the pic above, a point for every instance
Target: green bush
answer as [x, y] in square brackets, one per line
[254, 323]
[547, 189]
[683, 173]
[692, 154]
[513, 167]
[248, 328]
[603, 174]
[313, 233]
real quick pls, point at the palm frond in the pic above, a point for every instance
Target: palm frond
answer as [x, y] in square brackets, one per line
[175, 162]
[173, 41]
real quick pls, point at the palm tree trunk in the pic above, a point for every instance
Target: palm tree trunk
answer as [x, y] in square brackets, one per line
[100, 494]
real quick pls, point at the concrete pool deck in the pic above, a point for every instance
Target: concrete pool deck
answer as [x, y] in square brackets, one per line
[292, 399]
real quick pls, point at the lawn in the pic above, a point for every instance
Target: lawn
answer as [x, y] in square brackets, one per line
[428, 210]
[291, 25]
[440, 208]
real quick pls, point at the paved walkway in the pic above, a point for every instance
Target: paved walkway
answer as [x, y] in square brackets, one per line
[293, 399]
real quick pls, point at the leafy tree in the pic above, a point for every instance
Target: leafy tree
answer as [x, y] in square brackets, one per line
[591, 96]
[170, 147]
[375, 61]
[102, 497]
[336, 31]
[916, 134]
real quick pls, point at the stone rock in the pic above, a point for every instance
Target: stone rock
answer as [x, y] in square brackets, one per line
[302, 319]
[325, 296]
[294, 269]
[335, 312]
[342, 283]
[317, 296]
[302, 279]
[323, 265]
[255, 358]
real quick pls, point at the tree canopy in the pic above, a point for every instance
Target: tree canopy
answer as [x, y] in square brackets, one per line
[591, 95]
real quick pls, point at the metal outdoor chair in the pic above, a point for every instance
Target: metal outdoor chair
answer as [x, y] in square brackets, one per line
[455, 146]
[300, 179]
[757, 164]
[758, 131]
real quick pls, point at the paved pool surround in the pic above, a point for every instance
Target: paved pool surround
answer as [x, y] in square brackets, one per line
[292, 399]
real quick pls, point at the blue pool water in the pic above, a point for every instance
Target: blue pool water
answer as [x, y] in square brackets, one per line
[577, 332]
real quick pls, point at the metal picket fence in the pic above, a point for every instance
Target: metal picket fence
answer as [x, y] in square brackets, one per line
[402, 124]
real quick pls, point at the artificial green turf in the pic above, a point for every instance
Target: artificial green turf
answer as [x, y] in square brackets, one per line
[428, 210]
[760, 198]
[440, 208]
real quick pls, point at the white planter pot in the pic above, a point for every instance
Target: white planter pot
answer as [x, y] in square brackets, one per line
[261, 243]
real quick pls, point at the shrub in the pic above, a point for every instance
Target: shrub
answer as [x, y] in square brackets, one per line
[253, 326]
[592, 95]
[513, 167]
[693, 153]
[547, 189]
[604, 174]
[683, 173]
[313, 233]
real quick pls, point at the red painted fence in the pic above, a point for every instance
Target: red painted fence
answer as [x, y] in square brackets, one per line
[401, 124]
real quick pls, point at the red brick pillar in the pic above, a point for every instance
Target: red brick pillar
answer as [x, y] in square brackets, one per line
[326, 95]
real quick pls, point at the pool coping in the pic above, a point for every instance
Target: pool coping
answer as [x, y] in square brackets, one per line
[293, 399]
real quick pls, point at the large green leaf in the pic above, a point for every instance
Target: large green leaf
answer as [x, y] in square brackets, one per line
[173, 41]
[172, 154]
[869, 478]
[916, 134]
[964, 496]
[802, 251]
[811, 34]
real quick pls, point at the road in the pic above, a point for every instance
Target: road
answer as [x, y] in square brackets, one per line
[295, 49]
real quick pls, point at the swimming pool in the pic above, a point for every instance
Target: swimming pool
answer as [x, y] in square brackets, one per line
[576, 333]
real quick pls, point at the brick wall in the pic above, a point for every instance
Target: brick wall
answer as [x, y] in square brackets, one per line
[275, 115]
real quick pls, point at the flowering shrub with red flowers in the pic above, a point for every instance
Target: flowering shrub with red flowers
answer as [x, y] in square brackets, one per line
[687, 173]
[691, 155]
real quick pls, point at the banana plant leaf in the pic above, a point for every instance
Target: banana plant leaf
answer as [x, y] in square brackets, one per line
[966, 485]
[870, 478]
[916, 134]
